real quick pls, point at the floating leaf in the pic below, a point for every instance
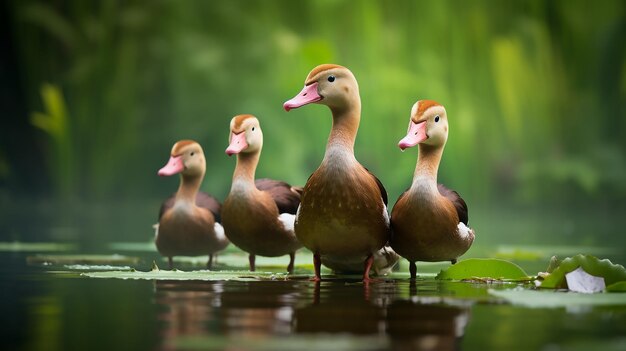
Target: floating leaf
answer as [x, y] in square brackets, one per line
[509, 253]
[18, 246]
[89, 267]
[147, 246]
[555, 299]
[291, 342]
[617, 287]
[612, 273]
[81, 259]
[192, 275]
[489, 268]
[540, 252]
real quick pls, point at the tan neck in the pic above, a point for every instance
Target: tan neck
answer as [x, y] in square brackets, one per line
[188, 188]
[427, 166]
[345, 126]
[246, 168]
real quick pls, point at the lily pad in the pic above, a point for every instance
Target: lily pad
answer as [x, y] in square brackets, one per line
[157, 274]
[291, 342]
[97, 267]
[483, 268]
[18, 246]
[82, 259]
[536, 252]
[146, 246]
[617, 287]
[556, 299]
[612, 273]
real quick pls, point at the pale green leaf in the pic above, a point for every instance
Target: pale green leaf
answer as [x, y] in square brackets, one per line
[484, 268]
[159, 274]
[81, 259]
[556, 299]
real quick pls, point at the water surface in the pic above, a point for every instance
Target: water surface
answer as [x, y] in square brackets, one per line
[55, 308]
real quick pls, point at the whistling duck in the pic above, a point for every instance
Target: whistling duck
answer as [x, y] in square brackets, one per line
[343, 215]
[258, 216]
[189, 220]
[429, 221]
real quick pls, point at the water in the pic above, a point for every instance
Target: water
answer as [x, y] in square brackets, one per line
[53, 308]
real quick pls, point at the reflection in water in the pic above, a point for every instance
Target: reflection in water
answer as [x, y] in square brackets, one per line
[234, 309]
[237, 312]
[337, 307]
[417, 326]
[187, 307]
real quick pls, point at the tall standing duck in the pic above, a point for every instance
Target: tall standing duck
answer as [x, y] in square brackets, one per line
[189, 220]
[259, 215]
[429, 221]
[343, 216]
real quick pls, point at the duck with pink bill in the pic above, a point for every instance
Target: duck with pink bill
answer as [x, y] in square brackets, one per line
[429, 221]
[189, 221]
[343, 216]
[258, 215]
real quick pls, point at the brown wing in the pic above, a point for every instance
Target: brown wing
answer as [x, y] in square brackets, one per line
[166, 205]
[459, 203]
[287, 198]
[402, 195]
[203, 200]
[381, 187]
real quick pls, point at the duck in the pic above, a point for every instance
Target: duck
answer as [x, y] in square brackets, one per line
[343, 216]
[258, 215]
[189, 220]
[429, 221]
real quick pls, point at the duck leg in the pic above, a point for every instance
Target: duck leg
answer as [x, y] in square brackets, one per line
[292, 258]
[413, 270]
[317, 264]
[170, 261]
[251, 259]
[209, 264]
[368, 265]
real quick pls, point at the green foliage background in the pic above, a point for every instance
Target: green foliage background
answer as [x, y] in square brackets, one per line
[535, 92]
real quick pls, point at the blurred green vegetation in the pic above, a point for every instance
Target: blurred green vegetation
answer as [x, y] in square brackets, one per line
[535, 92]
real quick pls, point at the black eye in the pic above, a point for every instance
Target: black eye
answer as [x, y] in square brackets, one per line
[253, 129]
[331, 78]
[192, 153]
[437, 118]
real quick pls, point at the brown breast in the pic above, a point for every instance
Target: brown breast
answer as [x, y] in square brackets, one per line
[187, 232]
[426, 229]
[341, 214]
[251, 222]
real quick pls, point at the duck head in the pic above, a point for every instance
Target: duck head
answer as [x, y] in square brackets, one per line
[428, 125]
[328, 84]
[245, 135]
[187, 158]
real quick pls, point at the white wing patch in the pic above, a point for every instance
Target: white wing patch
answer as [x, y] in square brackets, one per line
[386, 215]
[384, 260]
[298, 211]
[288, 220]
[464, 231]
[219, 231]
